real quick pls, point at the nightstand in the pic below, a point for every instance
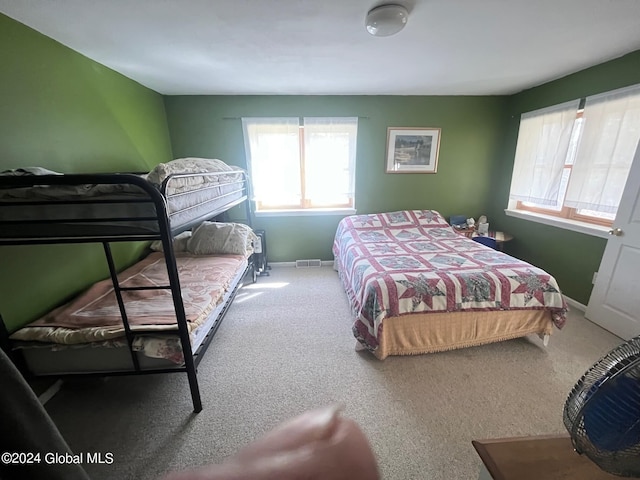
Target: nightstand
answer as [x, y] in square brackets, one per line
[467, 231]
[501, 238]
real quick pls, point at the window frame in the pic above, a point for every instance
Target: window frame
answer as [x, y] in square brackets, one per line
[591, 229]
[305, 207]
[569, 213]
[565, 212]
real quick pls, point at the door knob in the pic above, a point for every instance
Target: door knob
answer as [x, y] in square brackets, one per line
[616, 232]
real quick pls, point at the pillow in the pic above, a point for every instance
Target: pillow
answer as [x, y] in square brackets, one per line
[211, 238]
[179, 243]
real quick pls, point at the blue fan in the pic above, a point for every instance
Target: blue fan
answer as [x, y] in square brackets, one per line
[602, 412]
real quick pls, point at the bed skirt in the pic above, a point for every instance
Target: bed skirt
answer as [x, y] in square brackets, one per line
[435, 332]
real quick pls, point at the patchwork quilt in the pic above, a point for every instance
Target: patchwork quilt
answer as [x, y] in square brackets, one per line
[412, 261]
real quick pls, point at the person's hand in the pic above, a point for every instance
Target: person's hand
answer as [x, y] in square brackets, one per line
[319, 444]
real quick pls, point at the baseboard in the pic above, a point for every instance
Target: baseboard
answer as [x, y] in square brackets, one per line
[282, 264]
[325, 263]
[573, 303]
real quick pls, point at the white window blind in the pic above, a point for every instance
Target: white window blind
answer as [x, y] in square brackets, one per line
[543, 144]
[611, 131]
[301, 163]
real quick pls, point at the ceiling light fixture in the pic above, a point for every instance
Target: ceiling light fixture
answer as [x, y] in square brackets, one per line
[386, 20]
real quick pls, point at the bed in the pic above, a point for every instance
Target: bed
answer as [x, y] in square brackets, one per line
[110, 329]
[417, 286]
[87, 333]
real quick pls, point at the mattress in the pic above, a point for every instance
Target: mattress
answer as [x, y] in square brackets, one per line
[412, 267]
[86, 334]
[113, 204]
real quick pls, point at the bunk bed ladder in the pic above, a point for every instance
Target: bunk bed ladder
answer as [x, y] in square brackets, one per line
[190, 367]
[123, 313]
[172, 272]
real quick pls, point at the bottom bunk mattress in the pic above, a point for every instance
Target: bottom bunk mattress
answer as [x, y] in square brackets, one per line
[416, 286]
[87, 334]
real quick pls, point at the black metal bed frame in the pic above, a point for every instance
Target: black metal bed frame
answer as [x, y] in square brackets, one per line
[99, 233]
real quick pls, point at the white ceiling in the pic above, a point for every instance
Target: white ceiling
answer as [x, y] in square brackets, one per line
[317, 47]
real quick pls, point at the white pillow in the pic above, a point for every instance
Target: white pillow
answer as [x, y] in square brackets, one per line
[179, 243]
[211, 238]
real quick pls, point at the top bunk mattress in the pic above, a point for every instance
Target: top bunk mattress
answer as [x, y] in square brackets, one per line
[39, 203]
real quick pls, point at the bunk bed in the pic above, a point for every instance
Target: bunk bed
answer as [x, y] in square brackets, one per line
[417, 286]
[164, 206]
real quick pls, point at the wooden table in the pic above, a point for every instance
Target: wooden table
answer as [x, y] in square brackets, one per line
[471, 232]
[549, 457]
[467, 231]
[500, 238]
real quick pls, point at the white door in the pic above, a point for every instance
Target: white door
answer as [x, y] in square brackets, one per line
[615, 301]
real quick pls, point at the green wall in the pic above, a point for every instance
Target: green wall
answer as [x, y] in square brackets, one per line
[571, 257]
[65, 112]
[471, 139]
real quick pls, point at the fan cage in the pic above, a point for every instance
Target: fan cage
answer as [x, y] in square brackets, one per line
[621, 363]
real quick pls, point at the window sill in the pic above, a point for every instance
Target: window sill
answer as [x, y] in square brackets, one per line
[305, 212]
[573, 225]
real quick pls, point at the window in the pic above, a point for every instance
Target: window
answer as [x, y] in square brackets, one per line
[301, 163]
[572, 160]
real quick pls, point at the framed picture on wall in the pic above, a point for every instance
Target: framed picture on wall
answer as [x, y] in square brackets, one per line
[412, 150]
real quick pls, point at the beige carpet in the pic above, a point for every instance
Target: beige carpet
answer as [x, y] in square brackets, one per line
[286, 346]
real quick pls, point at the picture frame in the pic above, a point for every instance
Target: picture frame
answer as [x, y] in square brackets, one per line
[412, 150]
